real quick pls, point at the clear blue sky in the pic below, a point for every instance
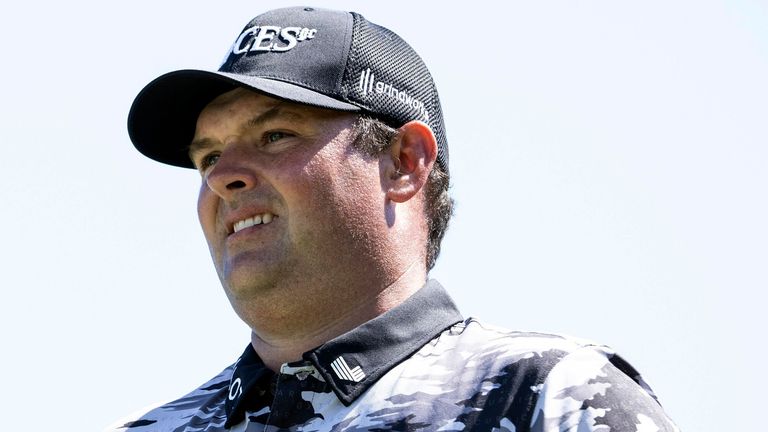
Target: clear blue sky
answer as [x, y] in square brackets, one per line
[609, 162]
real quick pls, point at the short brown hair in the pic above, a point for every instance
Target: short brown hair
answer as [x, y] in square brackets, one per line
[374, 137]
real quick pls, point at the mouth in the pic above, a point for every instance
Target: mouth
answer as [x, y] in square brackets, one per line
[259, 219]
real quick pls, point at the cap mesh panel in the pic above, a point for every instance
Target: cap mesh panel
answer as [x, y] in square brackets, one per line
[392, 62]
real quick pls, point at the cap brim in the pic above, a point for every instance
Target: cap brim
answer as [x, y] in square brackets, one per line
[161, 123]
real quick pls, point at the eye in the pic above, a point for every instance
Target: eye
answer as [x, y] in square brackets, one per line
[273, 136]
[207, 161]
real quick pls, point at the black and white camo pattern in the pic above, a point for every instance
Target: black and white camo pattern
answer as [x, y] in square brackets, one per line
[471, 377]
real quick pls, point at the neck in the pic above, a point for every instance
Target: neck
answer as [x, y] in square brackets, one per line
[281, 335]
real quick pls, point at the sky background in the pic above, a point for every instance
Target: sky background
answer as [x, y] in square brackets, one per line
[608, 161]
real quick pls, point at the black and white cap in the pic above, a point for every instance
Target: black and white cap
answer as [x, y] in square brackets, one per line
[319, 57]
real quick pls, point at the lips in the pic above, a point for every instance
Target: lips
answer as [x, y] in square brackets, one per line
[259, 219]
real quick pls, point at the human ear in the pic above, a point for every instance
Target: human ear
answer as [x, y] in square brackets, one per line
[412, 155]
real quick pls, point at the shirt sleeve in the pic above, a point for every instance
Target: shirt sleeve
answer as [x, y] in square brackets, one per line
[593, 389]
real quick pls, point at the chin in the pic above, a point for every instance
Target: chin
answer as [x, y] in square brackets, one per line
[248, 281]
[244, 286]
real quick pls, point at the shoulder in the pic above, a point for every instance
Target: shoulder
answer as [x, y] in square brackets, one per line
[205, 404]
[550, 382]
[479, 345]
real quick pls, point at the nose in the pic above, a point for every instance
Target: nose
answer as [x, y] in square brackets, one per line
[231, 174]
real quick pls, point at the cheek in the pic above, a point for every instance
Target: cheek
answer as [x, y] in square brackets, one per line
[206, 210]
[334, 188]
[345, 191]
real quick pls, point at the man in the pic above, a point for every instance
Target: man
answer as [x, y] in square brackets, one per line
[324, 198]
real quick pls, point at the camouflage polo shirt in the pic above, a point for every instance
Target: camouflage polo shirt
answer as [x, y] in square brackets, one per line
[420, 366]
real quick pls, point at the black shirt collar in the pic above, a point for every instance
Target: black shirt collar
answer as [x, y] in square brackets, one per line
[354, 361]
